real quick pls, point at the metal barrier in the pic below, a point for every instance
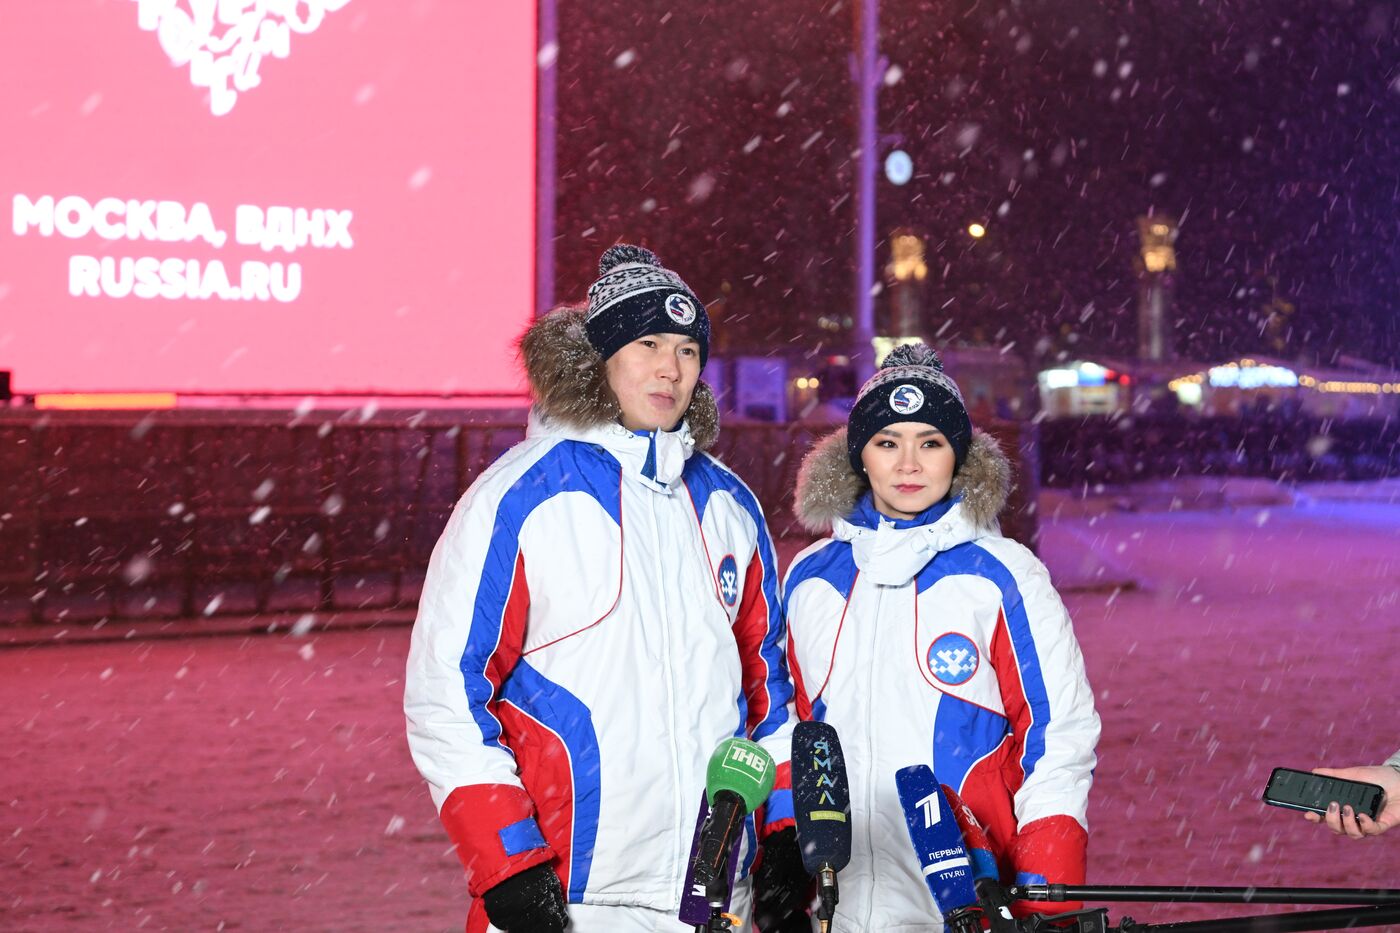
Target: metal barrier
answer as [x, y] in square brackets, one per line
[179, 514]
[1105, 450]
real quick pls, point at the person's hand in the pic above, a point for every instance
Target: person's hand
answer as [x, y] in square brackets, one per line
[530, 902]
[1359, 826]
[780, 885]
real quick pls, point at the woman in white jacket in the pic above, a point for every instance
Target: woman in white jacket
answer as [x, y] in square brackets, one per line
[925, 637]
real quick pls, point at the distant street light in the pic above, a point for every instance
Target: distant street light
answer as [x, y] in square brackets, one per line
[899, 167]
[1156, 267]
[976, 231]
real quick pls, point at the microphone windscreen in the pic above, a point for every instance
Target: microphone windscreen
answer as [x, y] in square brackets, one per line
[937, 841]
[979, 846]
[741, 767]
[821, 797]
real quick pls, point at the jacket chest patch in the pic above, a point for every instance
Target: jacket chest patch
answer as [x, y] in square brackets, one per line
[728, 579]
[952, 658]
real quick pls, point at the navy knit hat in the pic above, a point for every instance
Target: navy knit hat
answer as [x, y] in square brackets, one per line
[635, 296]
[909, 386]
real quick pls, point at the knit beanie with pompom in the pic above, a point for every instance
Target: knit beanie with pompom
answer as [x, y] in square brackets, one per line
[909, 386]
[635, 296]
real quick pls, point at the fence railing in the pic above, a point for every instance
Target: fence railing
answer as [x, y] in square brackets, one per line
[182, 514]
[1117, 450]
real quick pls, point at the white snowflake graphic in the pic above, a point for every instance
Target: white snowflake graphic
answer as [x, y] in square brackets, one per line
[225, 41]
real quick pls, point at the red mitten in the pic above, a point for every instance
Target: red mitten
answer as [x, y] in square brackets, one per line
[1049, 851]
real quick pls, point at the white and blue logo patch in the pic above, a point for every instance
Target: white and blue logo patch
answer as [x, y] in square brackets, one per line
[907, 399]
[728, 579]
[680, 309]
[952, 658]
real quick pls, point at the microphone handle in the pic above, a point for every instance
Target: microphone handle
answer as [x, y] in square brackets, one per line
[964, 920]
[996, 904]
[829, 894]
[717, 838]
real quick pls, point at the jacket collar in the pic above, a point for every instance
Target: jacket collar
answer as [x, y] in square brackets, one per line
[656, 459]
[891, 552]
[866, 515]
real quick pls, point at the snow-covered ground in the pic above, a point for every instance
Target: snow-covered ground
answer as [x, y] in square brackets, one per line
[1252, 637]
[263, 782]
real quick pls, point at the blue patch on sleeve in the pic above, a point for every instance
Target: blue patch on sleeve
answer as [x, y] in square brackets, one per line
[521, 837]
[649, 467]
[779, 806]
[984, 865]
[750, 847]
[566, 716]
[1030, 877]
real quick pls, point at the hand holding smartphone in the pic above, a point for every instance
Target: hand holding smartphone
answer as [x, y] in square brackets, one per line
[1303, 790]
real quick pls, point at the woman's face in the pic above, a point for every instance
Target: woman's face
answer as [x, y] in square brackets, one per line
[653, 378]
[910, 466]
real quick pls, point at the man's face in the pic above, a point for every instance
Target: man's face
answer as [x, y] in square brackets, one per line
[653, 378]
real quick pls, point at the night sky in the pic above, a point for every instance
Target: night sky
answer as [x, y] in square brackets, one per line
[721, 133]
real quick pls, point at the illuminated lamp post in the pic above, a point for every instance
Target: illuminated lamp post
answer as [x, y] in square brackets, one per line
[867, 69]
[906, 273]
[1156, 268]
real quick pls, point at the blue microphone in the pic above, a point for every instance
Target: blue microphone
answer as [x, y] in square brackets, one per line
[938, 843]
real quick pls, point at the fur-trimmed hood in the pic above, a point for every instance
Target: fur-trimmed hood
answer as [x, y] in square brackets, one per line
[570, 384]
[828, 489]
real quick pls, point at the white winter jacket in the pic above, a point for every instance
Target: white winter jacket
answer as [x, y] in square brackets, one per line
[937, 641]
[600, 612]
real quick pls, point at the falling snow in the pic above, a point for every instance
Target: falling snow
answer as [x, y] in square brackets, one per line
[268, 776]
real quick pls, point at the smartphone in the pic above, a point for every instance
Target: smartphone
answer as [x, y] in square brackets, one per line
[1303, 790]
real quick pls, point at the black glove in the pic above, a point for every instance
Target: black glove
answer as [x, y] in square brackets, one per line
[530, 902]
[781, 886]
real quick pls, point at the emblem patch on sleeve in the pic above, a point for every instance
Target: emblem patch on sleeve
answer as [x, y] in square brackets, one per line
[728, 580]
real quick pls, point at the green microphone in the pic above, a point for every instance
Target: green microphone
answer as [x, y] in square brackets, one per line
[737, 781]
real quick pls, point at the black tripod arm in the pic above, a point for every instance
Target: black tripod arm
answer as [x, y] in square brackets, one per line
[1297, 922]
[1203, 895]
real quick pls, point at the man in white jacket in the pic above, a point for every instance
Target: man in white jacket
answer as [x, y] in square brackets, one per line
[600, 612]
